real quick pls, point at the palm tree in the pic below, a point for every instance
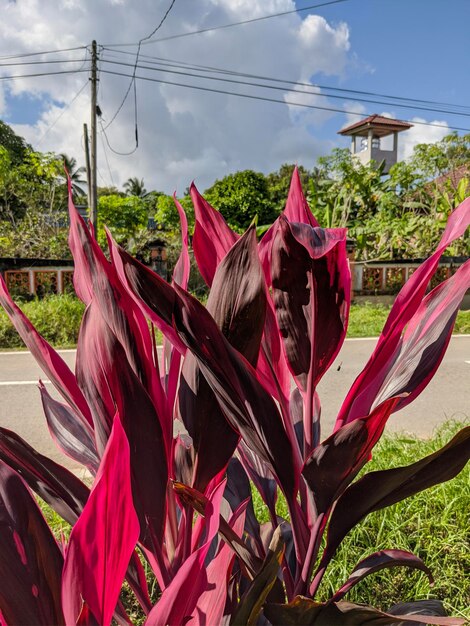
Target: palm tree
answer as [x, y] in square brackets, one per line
[135, 187]
[75, 173]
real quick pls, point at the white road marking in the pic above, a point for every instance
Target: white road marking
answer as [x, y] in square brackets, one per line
[8, 383]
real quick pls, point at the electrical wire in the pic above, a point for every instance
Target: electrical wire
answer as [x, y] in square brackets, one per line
[33, 54]
[353, 92]
[222, 26]
[265, 99]
[291, 89]
[16, 76]
[106, 158]
[51, 62]
[133, 84]
[62, 112]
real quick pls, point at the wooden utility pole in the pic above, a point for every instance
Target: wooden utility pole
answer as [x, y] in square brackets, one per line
[93, 168]
[87, 161]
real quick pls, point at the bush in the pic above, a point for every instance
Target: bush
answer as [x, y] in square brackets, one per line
[251, 413]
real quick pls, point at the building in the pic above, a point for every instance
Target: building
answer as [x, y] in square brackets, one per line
[375, 139]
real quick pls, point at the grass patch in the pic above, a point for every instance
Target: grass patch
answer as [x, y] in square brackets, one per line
[368, 320]
[432, 524]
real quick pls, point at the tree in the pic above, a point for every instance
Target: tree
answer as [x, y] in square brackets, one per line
[135, 187]
[241, 197]
[124, 216]
[75, 173]
[15, 145]
[279, 183]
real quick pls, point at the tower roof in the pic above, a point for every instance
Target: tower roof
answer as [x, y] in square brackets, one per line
[382, 126]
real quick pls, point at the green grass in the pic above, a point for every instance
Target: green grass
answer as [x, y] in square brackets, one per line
[367, 320]
[58, 318]
[433, 524]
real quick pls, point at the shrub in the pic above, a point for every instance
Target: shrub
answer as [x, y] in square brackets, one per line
[173, 442]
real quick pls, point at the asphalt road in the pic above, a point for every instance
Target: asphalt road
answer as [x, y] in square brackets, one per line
[447, 396]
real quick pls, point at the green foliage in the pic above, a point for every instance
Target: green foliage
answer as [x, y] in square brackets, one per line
[57, 319]
[241, 197]
[135, 187]
[15, 145]
[125, 217]
[279, 183]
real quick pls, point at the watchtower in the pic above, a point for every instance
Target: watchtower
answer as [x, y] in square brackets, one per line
[367, 139]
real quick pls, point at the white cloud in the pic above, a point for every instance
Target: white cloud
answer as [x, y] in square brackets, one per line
[183, 133]
[420, 133]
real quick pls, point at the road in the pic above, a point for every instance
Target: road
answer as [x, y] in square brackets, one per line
[447, 396]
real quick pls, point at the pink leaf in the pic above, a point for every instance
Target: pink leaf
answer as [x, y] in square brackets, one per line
[104, 537]
[212, 237]
[178, 600]
[407, 304]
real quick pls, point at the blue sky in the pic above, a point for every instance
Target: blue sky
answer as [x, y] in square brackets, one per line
[409, 48]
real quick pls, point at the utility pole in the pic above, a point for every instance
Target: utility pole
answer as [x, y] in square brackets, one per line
[87, 161]
[93, 168]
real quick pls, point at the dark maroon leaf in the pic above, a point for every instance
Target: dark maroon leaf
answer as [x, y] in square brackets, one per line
[380, 489]
[251, 604]
[378, 561]
[335, 463]
[61, 489]
[418, 607]
[30, 559]
[311, 290]
[111, 385]
[97, 281]
[246, 404]
[261, 477]
[238, 490]
[306, 612]
[74, 437]
[237, 302]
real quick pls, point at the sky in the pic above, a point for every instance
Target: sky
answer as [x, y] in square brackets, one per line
[415, 49]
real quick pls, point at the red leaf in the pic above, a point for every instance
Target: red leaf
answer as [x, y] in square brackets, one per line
[378, 561]
[30, 559]
[104, 537]
[363, 392]
[212, 237]
[61, 489]
[178, 600]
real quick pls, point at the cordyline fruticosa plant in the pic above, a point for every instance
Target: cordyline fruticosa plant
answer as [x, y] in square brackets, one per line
[173, 436]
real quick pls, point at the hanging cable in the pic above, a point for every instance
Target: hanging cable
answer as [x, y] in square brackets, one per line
[222, 26]
[133, 82]
[64, 109]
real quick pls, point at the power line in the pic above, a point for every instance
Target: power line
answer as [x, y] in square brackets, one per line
[221, 26]
[265, 99]
[353, 92]
[106, 158]
[135, 68]
[291, 89]
[133, 84]
[50, 62]
[16, 76]
[33, 54]
[62, 112]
